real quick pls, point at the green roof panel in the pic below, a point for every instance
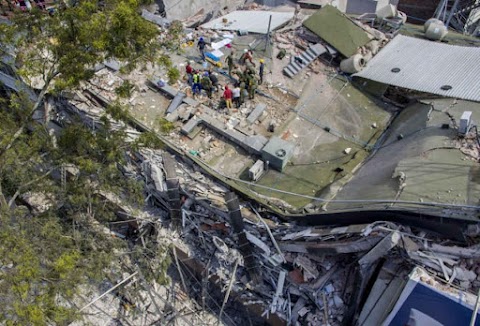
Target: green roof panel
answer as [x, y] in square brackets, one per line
[338, 30]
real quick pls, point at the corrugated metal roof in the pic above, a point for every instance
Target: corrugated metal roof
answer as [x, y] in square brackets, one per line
[427, 66]
[249, 20]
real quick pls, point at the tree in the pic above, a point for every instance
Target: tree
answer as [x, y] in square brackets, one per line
[57, 52]
[47, 250]
[46, 253]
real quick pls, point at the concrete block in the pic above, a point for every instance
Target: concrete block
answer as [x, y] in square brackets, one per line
[112, 64]
[172, 117]
[190, 125]
[254, 144]
[166, 89]
[256, 113]
[277, 152]
[190, 101]
[175, 103]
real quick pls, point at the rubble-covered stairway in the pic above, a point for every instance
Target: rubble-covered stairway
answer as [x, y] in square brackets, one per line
[297, 63]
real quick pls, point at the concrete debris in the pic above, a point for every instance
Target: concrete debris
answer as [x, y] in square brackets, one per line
[259, 243]
[298, 275]
[309, 269]
[381, 249]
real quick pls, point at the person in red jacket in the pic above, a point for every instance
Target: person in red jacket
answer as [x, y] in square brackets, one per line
[227, 95]
[189, 71]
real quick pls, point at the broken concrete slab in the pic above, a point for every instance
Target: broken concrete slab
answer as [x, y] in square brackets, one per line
[381, 249]
[259, 243]
[339, 247]
[309, 269]
[177, 100]
[190, 125]
[256, 113]
[156, 19]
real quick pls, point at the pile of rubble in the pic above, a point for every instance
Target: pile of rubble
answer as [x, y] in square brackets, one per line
[301, 275]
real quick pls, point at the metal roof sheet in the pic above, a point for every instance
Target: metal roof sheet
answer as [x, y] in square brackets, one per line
[427, 66]
[338, 30]
[250, 20]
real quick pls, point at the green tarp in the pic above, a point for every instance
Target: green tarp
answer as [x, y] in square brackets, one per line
[337, 30]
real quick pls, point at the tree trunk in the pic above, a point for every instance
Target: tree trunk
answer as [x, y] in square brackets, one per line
[35, 107]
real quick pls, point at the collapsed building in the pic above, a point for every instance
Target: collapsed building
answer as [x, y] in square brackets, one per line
[344, 193]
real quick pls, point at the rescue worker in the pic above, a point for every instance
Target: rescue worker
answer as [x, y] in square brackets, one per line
[229, 62]
[189, 71]
[239, 74]
[261, 70]
[241, 60]
[214, 79]
[249, 70]
[196, 88]
[207, 84]
[201, 46]
[236, 96]
[243, 93]
[249, 57]
[252, 86]
[227, 95]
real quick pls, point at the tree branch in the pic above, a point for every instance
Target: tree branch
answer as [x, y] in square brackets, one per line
[35, 107]
[3, 201]
[17, 193]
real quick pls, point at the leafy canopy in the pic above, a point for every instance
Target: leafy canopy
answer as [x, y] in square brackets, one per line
[66, 45]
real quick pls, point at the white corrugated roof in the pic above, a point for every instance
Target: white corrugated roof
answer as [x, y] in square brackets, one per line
[249, 20]
[427, 66]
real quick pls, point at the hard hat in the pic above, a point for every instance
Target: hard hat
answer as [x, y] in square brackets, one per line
[262, 61]
[201, 38]
[246, 50]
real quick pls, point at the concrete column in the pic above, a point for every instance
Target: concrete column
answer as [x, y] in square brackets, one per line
[244, 246]
[173, 190]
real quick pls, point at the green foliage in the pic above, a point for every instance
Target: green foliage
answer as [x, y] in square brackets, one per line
[61, 48]
[47, 254]
[173, 75]
[125, 90]
[175, 29]
[117, 112]
[149, 139]
[165, 125]
[165, 61]
[173, 36]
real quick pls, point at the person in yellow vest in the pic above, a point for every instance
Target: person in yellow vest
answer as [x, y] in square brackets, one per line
[196, 88]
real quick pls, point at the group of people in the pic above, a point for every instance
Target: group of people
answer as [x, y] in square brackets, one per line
[198, 80]
[247, 82]
[245, 71]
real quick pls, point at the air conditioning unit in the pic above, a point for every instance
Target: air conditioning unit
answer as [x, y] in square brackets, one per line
[257, 170]
[465, 123]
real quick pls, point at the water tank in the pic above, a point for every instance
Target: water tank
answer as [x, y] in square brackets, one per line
[430, 21]
[353, 64]
[367, 56]
[435, 29]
